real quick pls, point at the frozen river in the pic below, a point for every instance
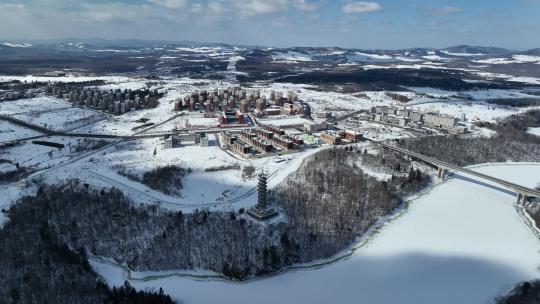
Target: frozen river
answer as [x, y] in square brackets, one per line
[461, 242]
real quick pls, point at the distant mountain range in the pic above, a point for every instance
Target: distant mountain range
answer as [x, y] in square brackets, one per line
[134, 55]
[96, 43]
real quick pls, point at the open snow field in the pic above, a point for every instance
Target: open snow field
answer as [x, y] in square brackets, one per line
[461, 242]
[62, 119]
[32, 105]
[535, 131]
[284, 121]
[40, 157]
[9, 132]
[472, 110]
[222, 189]
[51, 113]
[40, 161]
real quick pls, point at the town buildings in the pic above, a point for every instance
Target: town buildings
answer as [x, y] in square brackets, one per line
[263, 140]
[315, 127]
[402, 117]
[222, 102]
[337, 137]
[113, 101]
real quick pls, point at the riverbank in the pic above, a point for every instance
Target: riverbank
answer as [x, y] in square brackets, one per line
[442, 248]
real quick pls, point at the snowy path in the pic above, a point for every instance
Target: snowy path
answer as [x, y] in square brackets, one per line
[462, 242]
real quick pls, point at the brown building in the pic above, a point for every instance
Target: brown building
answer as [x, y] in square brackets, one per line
[227, 118]
[352, 136]
[241, 147]
[331, 137]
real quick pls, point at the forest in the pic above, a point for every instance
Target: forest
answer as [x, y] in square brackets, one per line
[38, 266]
[524, 293]
[510, 143]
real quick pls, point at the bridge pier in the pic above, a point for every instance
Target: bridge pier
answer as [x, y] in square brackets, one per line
[522, 198]
[441, 172]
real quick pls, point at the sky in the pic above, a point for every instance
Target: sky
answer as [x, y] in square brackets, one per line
[380, 24]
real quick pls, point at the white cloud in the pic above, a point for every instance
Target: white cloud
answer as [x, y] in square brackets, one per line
[11, 6]
[108, 12]
[445, 10]
[307, 6]
[256, 7]
[361, 7]
[217, 8]
[170, 3]
[196, 8]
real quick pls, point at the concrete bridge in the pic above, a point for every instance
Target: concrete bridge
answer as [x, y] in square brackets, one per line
[523, 193]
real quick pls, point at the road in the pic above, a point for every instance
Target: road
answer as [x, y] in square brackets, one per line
[445, 165]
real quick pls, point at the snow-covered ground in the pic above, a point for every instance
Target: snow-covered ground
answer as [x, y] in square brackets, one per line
[535, 131]
[51, 113]
[283, 121]
[173, 88]
[62, 119]
[39, 157]
[41, 161]
[9, 132]
[290, 57]
[472, 110]
[38, 104]
[223, 189]
[461, 242]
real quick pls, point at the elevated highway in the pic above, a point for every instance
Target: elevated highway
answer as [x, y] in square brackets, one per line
[523, 193]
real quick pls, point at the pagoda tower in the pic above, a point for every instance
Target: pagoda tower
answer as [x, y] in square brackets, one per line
[261, 202]
[261, 211]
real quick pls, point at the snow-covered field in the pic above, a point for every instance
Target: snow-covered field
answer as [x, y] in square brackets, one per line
[201, 188]
[461, 242]
[535, 131]
[62, 119]
[41, 161]
[472, 110]
[39, 157]
[51, 113]
[283, 121]
[38, 104]
[9, 132]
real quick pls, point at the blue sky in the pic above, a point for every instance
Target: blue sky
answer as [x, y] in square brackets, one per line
[388, 24]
